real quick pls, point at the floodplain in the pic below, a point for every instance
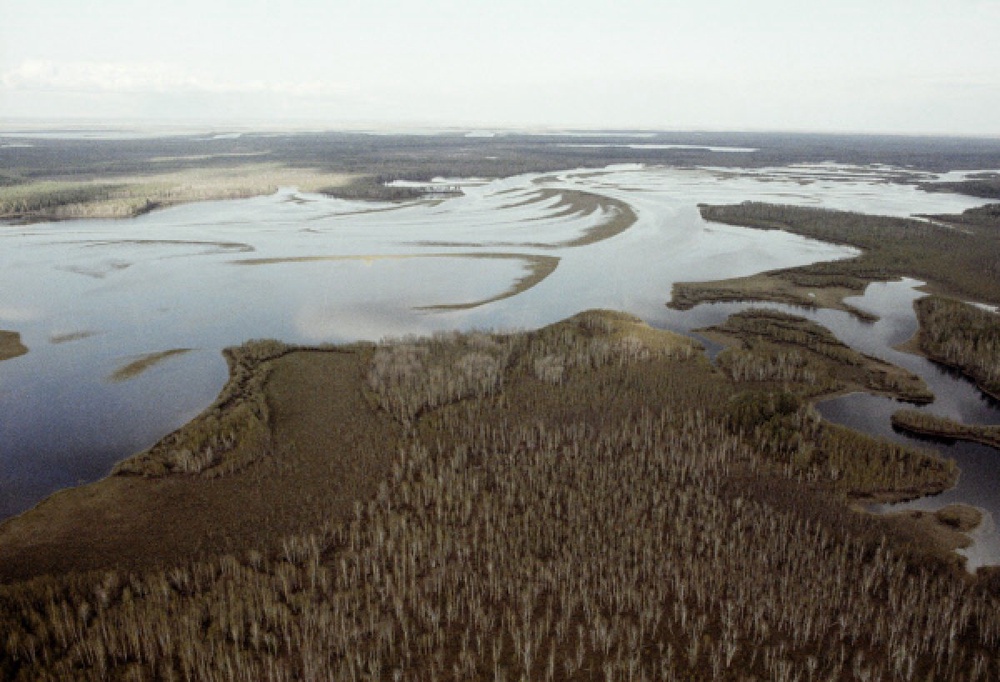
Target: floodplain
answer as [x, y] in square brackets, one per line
[461, 461]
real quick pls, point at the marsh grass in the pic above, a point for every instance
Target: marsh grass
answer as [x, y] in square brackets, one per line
[775, 287]
[538, 268]
[618, 215]
[634, 515]
[946, 528]
[230, 434]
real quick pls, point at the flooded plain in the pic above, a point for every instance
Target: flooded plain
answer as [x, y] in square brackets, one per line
[124, 321]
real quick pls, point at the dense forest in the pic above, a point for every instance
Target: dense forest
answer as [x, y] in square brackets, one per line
[589, 501]
[969, 266]
[962, 336]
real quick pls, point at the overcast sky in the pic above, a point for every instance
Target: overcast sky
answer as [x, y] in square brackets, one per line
[909, 66]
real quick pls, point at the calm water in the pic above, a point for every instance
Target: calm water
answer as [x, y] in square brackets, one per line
[88, 297]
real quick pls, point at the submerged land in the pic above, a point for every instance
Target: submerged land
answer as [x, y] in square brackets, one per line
[594, 499]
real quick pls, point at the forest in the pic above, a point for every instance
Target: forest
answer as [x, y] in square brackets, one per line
[890, 248]
[592, 500]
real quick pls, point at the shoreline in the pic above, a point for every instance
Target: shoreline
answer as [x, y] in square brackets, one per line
[941, 428]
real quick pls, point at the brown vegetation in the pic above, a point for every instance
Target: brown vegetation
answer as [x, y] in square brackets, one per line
[786, 350]
[618, 216]
[69, 337]
[326, 449]
[986, 186]
[932, 425]
[230, 434]
[891, 248]
[588, 501]
[143, 363]
[947, 527]
[962, 336]
[10, 345]
[577, 203]
[776, 287]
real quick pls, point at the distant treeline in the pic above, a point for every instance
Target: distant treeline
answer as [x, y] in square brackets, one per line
[984, 188]
[421, 157]
[963, 262]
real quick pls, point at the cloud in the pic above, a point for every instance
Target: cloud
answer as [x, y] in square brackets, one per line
[146, 77]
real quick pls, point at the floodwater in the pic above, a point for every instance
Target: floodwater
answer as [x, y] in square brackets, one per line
[90, 297]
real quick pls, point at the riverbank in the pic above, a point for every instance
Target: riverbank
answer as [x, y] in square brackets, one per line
[933, 426]
[962, 336]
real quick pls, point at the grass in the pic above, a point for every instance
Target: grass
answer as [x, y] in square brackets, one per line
[985, 187]
[931, 425]
[447, 507]
[10, 345]
[891, 248]
[230, 434]
[136, 367]
[152, 513]
[946, 527]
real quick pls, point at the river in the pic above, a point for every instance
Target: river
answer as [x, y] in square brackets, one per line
[91, 297]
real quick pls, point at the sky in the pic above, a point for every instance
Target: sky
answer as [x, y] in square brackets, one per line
[900, 66]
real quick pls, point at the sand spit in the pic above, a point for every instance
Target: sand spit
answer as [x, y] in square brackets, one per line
[69, 337]
[145, 362]
[539, 267]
